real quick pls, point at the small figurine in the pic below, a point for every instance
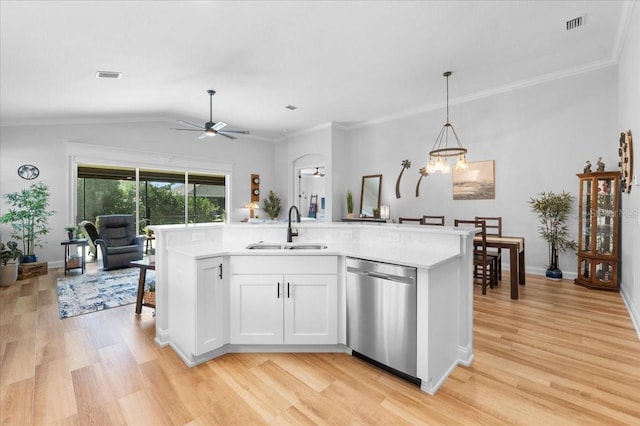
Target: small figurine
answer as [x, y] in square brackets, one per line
[600, 165]
[587, 168]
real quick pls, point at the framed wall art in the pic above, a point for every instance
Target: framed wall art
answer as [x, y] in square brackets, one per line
[475, 183]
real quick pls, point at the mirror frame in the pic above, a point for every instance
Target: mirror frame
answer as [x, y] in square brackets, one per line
[364, 180]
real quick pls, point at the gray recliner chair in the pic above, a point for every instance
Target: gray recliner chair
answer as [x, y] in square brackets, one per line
[119, 241]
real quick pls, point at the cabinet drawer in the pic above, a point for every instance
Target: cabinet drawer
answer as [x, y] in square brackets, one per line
[284, 265]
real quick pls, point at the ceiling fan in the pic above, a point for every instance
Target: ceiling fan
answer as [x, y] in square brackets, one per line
[210, 128]
[317, 173]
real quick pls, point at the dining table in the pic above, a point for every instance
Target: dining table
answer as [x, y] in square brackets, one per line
[515, 245]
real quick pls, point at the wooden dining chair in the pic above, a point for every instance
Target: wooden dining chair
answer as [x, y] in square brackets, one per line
[433, 220]
[417, 220]
[494, 228]
[484, 270]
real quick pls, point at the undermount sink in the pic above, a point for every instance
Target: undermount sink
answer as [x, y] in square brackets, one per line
[263, 246]
[305, 246]
[286, 246]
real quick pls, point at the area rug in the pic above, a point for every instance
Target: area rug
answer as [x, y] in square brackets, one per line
[82, 294]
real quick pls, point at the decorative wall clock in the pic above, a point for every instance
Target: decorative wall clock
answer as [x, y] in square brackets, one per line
[626, 161]
[28, 171]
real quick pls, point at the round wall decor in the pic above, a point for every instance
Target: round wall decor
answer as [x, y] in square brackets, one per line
[28, 171]
[626, 161]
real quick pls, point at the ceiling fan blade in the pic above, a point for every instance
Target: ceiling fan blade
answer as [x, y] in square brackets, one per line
[202, 136]
[187, 130]
[219, 125]
[191, 124]
[243, 132]
[226, 136]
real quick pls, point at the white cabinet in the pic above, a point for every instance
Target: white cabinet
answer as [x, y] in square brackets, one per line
[296, 306]
[209, 312]
[196, 299]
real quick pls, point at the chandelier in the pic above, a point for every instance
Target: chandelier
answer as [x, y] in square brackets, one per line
[441, 150]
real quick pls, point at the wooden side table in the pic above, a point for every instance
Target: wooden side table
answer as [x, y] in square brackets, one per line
[72, 262]
[143, 265]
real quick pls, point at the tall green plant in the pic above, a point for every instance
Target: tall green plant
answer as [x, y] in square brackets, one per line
[553, 211]
[28, 216]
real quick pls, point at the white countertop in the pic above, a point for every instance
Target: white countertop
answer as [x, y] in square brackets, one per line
[419, 257]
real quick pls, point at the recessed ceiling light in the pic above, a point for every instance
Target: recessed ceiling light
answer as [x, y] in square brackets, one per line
[108, 74]
[291, 107]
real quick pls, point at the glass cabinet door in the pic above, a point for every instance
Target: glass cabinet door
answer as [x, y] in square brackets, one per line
[605, 219]
[586, 215]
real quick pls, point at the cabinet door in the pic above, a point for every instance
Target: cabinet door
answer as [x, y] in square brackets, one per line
[256, 311]
[209, 305]
[311, 309]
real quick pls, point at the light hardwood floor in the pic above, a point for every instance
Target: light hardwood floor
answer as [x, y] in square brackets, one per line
[562, 354]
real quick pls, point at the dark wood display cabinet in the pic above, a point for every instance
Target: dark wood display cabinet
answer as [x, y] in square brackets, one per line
[599, 230]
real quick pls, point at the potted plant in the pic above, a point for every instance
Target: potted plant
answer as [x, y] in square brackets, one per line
[71, 231]
[349, 204]
[28, 216]
[9, 256]
[553, 211]
[271, 205]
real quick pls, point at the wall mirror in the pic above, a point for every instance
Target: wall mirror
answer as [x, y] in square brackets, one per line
[370, 196]
[312, 192]
[311, 187]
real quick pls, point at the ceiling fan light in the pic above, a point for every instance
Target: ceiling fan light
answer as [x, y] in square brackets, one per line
[211, 132]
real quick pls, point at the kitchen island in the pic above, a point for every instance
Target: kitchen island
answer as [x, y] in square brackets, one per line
[214, 295]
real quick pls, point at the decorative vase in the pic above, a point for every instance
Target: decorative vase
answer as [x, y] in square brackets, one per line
[8, 274]
[554, 274]
[70, 235]
[29, 258]
[350, 215]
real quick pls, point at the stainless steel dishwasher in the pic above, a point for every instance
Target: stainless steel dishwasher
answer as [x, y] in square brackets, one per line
[381, 315]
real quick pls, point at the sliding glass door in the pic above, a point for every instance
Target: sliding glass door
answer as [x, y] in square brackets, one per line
[162, 195]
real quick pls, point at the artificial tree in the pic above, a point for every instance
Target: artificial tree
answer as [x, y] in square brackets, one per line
[28, 217]
[553, 211]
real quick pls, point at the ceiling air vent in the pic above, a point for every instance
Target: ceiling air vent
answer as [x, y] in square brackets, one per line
[108, 74]
[574, 23]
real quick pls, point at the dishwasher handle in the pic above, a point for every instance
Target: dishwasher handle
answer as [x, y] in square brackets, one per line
[380, 275]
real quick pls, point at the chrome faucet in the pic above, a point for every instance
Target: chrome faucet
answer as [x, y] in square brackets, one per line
[290, 232]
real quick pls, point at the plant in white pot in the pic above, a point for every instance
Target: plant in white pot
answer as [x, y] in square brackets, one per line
[28, 217]
[349, 204]
[9, 257]
[553, 211]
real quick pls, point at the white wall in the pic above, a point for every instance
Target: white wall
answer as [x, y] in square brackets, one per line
[539, 136]
[44, 146]
[629, 119]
